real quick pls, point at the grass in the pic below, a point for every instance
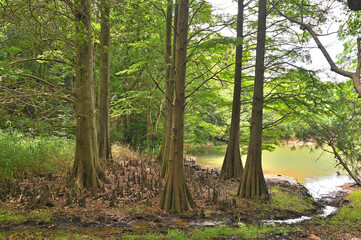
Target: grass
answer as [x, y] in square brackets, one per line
[39, 233]
[348, 216]
[12, 217]
[243, 232]
[20, 153]
[286, 201]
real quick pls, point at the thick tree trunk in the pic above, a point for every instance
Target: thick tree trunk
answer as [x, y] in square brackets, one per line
[253, 183]
[176, 196]
[169, 88]
[86, 169]
[232, 164]
[104, 77]
[354, 5]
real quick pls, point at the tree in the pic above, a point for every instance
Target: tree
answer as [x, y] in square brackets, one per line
[253, 183]
[104, 82]
[355, 76]
[354, 5]
[86, 168]
[232, 164]
[169, 88]
[176, 196]
[335, 128]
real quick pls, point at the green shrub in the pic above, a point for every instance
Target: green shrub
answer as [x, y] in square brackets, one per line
[34, 155]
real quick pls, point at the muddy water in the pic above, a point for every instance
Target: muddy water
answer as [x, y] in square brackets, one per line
[301, 163]
[311, 167]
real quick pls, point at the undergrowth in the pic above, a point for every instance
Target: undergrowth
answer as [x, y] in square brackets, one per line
[20, 153]
[242, 232]
[12, 217]
[348, 216]
[288, 201]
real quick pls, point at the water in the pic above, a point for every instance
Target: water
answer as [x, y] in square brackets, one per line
[314, 168]
[327, 186]
[301, 163]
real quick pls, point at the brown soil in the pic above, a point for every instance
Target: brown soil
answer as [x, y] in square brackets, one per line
[129, 202]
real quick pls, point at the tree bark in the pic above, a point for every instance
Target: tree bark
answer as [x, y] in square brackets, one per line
[169, 88]
[344, 165]
[232, 164]
[175, 195]
[86, 168]
[354, 5]
[104, 77]
[253, 183]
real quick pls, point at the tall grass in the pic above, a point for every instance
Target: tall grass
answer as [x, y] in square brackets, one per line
[21, 154]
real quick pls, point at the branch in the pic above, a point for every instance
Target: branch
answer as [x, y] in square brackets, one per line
[211, 77]
[309, 28]
[171, 103]
[38, 59]
[339, 158]
[47, 83]
[355, 76]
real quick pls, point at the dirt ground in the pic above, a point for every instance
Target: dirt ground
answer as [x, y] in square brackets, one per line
[129, 203]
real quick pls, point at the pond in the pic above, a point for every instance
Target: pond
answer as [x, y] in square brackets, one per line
[299, 162]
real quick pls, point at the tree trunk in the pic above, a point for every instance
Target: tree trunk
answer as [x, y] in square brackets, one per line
[344, 165]
[253, 183]
[354, 5]
[176, 196]
[104, 77]
[169, 89]
[86, 169]
[232, 164]
[149, 120]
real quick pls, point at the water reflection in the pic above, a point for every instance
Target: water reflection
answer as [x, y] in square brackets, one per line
[298, 162]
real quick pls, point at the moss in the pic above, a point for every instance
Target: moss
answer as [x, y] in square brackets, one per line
[40, 216]
[8, 218]
[286, 201]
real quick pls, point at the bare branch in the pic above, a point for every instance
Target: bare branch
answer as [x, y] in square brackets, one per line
[47, 83]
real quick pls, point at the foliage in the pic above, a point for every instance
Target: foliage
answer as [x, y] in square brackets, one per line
[20, 153]
[337, 125]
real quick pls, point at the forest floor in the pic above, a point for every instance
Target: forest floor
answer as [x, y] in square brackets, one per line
[43, 207]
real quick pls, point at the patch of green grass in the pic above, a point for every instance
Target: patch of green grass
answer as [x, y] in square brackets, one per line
[286, 201]
[243, 232]
[20, 153]
[147, 236]
[40, 216]
[40, 233]
[8, 217]
[13, 217]
[348, 216]
[177, 235]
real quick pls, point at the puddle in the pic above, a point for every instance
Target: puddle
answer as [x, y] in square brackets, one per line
[287, 221]
[205, 223]
[327, 211]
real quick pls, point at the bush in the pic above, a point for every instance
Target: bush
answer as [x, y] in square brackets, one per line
[21, 154]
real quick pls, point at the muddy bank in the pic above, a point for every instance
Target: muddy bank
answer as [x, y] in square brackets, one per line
[129, 202]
